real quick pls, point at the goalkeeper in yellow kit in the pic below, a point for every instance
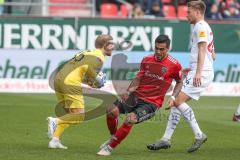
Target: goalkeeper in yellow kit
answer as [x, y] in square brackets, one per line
[84, 67]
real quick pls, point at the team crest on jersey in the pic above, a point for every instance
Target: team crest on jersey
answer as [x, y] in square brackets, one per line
[164, 70]
[202, 34]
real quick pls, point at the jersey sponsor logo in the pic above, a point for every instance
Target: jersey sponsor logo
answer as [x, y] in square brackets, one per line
[152, 75]
[202, 34]
[164, 70]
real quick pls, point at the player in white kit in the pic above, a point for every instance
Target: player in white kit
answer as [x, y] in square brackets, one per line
[198, 78]
[236, 116]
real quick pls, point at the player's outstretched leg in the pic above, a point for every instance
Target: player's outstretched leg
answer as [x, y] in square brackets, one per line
[164, 142]
[189, 116]
[106, 150]
[112, 114]
[197, 143]
[119, 136]
[116, 139]
[160, 144]
[105, 143]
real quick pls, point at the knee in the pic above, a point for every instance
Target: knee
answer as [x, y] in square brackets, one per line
[178, 102]
[112, 111]
[181, 98]
[131, 118]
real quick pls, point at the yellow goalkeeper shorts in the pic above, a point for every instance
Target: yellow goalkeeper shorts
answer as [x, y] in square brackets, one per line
[70, 101]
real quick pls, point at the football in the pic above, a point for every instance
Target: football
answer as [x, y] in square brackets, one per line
[98, 82]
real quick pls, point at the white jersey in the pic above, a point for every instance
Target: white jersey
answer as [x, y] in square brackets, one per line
[201, 33]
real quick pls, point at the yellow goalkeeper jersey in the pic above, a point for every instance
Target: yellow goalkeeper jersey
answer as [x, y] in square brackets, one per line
[84, 64]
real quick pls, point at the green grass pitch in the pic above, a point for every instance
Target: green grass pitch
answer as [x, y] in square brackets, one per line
[23, 132]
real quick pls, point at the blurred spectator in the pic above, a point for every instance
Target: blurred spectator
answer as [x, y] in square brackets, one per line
[231, 12]
[214, 14]
[222, 6]
[209, 4]
[147, 5]
[176, 3]
[137, 11]
[8, 9]
[132, 2]
[98, 4]
[1, 6]
[110, 1]
[156, 10]
[229, 9]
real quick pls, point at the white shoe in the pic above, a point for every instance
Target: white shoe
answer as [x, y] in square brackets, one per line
[105, 143]
[105, 151]
[52, 125]
[55, 143]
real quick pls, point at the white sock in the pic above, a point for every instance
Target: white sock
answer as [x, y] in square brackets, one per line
[189, 116]
[55, 139]
[173, 120]
[238, 111]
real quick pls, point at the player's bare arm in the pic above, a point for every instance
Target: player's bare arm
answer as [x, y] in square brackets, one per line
[133, 85]
[131, 88]
[176, 90]
[201, 56]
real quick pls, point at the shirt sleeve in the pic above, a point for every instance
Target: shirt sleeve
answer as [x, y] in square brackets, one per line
[94, 66]
[141, 70]
[178, 74]
[201, 33]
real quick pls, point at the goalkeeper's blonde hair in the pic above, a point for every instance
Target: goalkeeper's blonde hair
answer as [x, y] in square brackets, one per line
[102, 40]
[197, 5]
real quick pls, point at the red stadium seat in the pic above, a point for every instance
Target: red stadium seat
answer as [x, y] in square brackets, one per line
[169, 11]
[182, 12]
[124, 10]
[79, 10]
[108, 10]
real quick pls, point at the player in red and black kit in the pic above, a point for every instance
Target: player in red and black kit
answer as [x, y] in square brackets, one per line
[145, 94]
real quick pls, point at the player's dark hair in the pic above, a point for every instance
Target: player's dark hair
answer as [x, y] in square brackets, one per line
[197, 5]
[163, 39]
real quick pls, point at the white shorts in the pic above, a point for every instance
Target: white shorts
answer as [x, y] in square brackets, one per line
[195, 92]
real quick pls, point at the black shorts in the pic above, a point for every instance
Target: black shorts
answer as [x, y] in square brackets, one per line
[142, 109]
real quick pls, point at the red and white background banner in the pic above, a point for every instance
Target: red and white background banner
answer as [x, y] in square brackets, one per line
[28, 71]
[42, 86]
